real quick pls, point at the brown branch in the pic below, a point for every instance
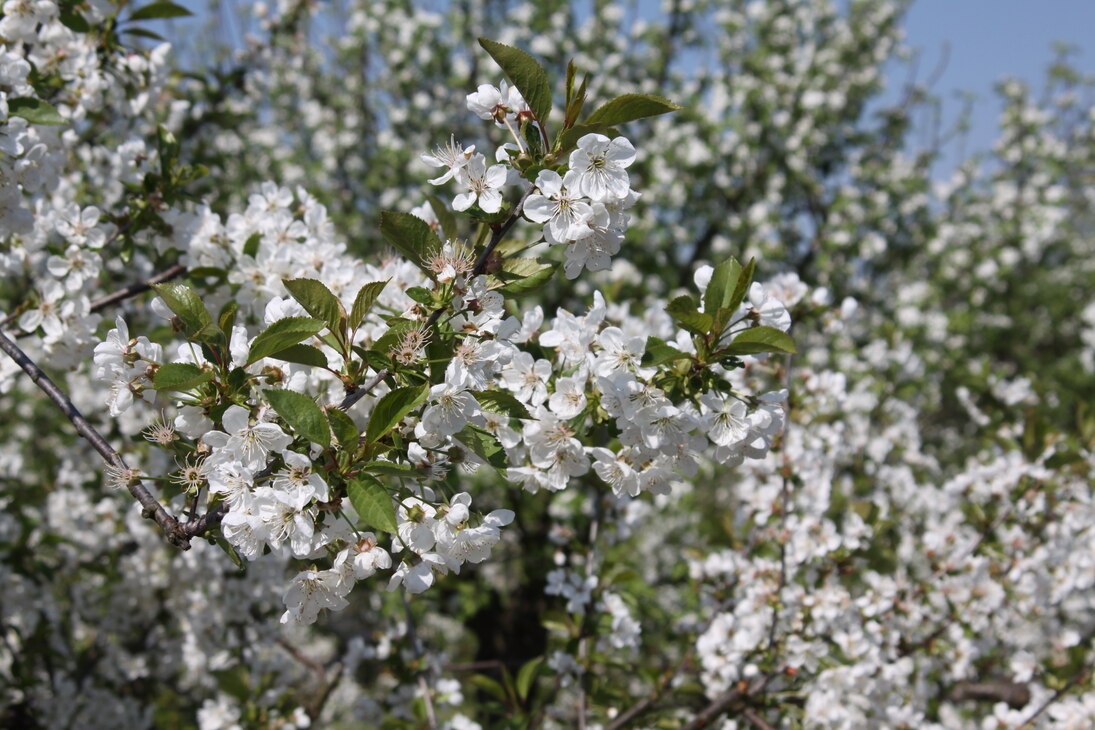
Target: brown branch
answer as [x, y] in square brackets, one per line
[711, 713]
[1080, 677]
[137, 288]
[1016, 695]
[151, 509]
[755, 719]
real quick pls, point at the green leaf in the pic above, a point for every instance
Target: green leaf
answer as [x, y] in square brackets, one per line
[318, 301]
[410, 235]
[301, 355]
[445, 217]
[525, 73]
[372, 503]
[227, 317]
[483, 444]
[71, 19]
[575, 105]
[302, 414]
[391, 469]
[420, 295]
[34, 110]
[364, 301]
[343, 427]
[744, 280]
[490, 686]
[282, 334]
[144, 33]
[180, 376]
[251, 245]
[724, 279]
[391, 409]
[231, 551]
[629, 107]
[761, 339]
[526, 675]
[160, 9]
[658, 352]
[525, 275]
[500, 401]
[683, 309]
[186, 304]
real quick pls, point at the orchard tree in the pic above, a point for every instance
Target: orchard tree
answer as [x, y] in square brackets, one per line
[536, 365]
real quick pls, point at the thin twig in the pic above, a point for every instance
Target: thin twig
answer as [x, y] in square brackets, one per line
[755, 719]
[150, 508]
[141, 286]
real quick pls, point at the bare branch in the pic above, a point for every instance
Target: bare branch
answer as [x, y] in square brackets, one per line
[134, 289]
[151, 509]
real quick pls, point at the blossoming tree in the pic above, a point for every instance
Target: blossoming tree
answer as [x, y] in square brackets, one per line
[439, 373]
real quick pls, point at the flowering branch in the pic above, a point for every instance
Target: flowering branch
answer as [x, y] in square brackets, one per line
[480, 266]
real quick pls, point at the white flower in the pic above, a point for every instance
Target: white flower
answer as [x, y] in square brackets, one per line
[491, 102]
[452, 407]
[248, 443]
[615, 471]
[564, 213]
[453, 156]
[569, 398]
[364, 558]
[727, 423]
[298, 476]
[484, 184]
[600, 166]
[527, 378]
[310, 591]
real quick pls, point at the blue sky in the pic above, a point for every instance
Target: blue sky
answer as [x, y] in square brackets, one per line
[992, 39]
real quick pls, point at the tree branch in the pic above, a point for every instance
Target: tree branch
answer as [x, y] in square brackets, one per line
[134, 289]
[151, 509]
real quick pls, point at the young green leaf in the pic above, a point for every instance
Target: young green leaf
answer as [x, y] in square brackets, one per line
[343, 427]
[180, 376]
[658, 352]
[391, 409]
[160, 9]
[525, 73]
[318, 301]
[410, 235]
[302, 355]
[186, 304]
[445, 217]
[373, 503]
[500, 401]
[391, 469]
[524, 275]
[526, 675]
[364, 301]
[683, 309]
[761, 339]
[282, 334]
[34, 110]
[720, 289]
[629, 107]
[744, 280]
[302, 413]
[484, 445]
